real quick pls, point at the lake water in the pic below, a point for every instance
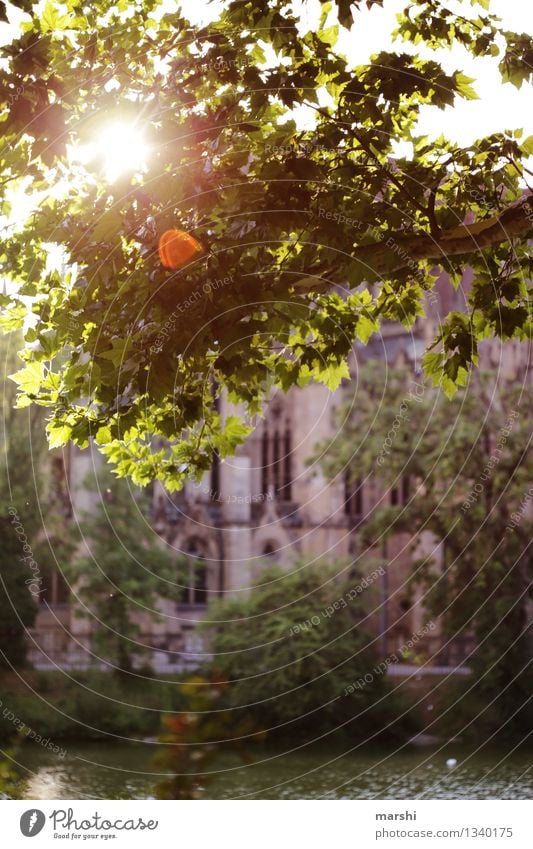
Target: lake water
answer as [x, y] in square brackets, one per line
[126, 771]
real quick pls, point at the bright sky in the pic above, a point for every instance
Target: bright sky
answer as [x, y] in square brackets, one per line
[501, 106]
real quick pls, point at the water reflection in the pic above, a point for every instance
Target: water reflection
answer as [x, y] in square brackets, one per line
[47, 783]
[127, 772]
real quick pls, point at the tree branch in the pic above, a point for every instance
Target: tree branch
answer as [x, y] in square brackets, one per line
[397, 251]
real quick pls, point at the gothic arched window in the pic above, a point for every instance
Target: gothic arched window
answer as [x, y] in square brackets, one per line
[54, 588]
[399, 495]
[192, 575]
[276, 453]
[353, 496]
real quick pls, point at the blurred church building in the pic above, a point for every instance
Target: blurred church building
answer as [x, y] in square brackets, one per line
[266, 504]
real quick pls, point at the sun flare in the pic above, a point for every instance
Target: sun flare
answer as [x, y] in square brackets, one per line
[119, 148]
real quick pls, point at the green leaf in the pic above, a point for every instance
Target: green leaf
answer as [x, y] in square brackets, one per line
[527, 146]
[29, 379]
[234, 434]
[103, 435]
[52, 20]
[450, 386]
[462, 84]
[13, 317]
[329, 35]
[58, 434]
[365, 328]
[258, 55]
[345, 12]
[333, 374]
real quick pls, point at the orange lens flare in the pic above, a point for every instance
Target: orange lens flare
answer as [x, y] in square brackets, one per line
[176, 248]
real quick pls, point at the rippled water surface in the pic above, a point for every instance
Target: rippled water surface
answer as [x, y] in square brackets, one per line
[127, 772]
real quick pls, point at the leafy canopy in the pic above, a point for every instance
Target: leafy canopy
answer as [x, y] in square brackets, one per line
[312, 236]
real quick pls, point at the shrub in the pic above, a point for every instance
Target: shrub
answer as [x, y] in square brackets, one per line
[291, 649]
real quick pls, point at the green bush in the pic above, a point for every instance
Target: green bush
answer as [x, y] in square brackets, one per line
[292, 650]
[91, 706]
[472, 709]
